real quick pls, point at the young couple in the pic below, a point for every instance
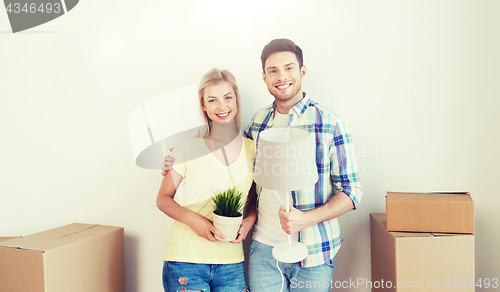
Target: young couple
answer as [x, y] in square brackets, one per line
[194, 260]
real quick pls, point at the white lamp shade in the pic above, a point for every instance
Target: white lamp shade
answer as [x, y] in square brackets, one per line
[286, 159]
[162, 122]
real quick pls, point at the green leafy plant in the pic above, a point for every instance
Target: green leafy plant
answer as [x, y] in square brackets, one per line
[228, 203]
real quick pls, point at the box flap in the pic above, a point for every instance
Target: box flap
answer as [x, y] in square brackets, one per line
[52, 238]
[410, 234]
[21, 270]
[8, 238]
[433, 196]
[382, 251]
[450, 234]
[381, 219]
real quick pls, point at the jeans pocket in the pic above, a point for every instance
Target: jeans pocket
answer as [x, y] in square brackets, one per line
[330, 263]
[253, 247]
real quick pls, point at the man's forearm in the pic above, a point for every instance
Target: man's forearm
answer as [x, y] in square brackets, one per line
[339, 204]
[297, 220]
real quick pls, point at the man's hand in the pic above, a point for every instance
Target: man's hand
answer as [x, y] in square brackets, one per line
[168, 163]
[294, 221]
[297, 220]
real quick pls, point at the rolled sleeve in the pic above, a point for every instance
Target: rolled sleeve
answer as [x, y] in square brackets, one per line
[344, 166]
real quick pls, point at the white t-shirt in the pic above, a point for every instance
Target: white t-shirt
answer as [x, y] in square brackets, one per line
[267, 229]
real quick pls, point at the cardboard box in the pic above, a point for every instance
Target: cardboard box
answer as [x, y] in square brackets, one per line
[404, 261]
[75, 257]
[6, 238]
[430, 212]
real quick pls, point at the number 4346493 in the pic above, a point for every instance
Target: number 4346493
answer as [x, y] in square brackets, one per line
[464, 283]
[34, 8]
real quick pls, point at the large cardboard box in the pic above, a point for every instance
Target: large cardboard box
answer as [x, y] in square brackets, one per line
[430, 212]
[404, 261]
[72, 258]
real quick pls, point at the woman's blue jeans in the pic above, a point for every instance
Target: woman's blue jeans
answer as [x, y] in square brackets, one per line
[180, 276]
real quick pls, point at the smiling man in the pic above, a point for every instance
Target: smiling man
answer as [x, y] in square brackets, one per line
[313, 218]
[283, 75]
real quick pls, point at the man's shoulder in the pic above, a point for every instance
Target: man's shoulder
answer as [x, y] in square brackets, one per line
[258, 121]
[260, 116]
[262, 112]
[326, 114]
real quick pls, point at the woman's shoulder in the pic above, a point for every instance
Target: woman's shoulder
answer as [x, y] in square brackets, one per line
[190, 146]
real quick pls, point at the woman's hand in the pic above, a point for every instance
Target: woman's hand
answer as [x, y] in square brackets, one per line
[203, 227]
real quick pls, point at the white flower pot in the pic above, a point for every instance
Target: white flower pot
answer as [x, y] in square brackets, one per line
[228, 226]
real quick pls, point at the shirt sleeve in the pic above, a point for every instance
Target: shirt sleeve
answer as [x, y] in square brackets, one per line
[248, 131]
[344, 166]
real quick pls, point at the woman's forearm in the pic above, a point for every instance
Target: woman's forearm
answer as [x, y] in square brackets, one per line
[172, 209]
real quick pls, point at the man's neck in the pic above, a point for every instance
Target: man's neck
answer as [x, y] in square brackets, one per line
[284, 107]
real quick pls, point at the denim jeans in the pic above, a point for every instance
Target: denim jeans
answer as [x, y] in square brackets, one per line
[265, 276]
[180, 276]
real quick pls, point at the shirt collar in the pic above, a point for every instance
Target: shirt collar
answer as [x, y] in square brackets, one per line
[299, 108]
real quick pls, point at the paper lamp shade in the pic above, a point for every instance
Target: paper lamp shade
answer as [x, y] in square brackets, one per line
[162, 122]
[286, 159]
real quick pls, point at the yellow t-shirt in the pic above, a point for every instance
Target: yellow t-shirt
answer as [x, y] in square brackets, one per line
[203, 174]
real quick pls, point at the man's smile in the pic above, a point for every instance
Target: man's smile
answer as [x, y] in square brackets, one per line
[283, 86]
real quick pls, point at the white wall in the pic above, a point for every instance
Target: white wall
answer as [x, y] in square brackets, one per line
[417, 80]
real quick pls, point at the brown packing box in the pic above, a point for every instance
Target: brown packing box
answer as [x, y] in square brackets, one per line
[419, 261]
[6, 238]
[430, 212]
[71, 258]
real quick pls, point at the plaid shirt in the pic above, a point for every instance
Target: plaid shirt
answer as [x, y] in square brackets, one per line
[337, 170]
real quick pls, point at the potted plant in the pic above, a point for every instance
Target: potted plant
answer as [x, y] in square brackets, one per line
[227, 215]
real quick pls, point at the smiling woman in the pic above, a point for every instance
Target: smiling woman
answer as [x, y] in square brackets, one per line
[219, 102]
[191, 248]
[220, 99]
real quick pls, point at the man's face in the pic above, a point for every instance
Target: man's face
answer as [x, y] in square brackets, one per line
[283, 76]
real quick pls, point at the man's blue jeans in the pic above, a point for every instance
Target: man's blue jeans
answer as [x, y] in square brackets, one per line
[180, 276]
[265, 276]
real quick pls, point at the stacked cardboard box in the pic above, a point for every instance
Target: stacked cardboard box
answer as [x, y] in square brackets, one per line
[430, 212]
[75, 257]
[439, 257]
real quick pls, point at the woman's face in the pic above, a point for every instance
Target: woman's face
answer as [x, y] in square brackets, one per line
[219, 102]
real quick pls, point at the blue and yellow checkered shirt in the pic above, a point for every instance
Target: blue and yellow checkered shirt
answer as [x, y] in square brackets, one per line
[337, 170]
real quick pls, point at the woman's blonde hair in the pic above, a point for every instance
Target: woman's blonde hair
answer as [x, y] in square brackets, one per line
[212, 77]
